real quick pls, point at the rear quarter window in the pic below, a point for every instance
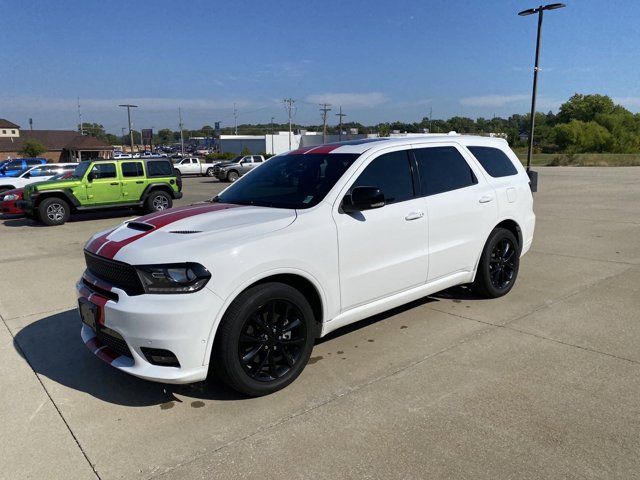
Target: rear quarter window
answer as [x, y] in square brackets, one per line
[159, 168]
[494, 161]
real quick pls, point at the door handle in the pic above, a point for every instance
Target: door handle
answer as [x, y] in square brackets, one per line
[414, 216]
[139, 181]
[486, 198]
[114, 183]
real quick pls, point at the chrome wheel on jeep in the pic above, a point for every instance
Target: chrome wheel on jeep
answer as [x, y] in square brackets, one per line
[158, 201]
[53, 211]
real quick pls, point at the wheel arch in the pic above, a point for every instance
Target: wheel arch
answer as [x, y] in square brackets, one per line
[152, 187]
[63, 194]
[508, 224]
[300, 280]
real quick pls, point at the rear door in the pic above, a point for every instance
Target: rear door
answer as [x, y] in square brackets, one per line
[384, 250]
[461, 207]
[105, 186]
[133, 184]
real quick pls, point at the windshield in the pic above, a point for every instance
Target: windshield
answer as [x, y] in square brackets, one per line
[236, 159]
[289, 181]
[81, 169]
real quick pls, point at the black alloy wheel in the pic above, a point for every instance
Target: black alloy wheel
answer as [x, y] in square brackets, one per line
[502, 264]
[272, 340]
[264, 340]
[499, 264]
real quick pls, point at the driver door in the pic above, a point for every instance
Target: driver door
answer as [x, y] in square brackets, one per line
[105, 186]
[384, 250]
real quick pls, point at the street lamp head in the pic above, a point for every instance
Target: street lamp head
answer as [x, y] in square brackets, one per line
[553, 6]
[524, 13]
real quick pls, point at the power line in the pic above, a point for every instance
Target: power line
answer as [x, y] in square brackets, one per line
[288, 104]
[324, 108]
[340, 115]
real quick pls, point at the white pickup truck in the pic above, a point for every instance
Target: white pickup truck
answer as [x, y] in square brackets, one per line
[193, 166]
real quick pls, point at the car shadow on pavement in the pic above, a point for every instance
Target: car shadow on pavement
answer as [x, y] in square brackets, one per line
[54, 349]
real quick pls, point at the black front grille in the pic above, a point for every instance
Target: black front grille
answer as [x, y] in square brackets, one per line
[114, 341]
[120, 275]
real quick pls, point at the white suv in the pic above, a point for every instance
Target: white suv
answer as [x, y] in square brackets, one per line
[308, 242]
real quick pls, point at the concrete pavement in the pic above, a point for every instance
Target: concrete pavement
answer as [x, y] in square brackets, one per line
[542, 383]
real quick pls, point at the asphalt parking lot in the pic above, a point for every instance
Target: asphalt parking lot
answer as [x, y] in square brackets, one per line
[543, 383]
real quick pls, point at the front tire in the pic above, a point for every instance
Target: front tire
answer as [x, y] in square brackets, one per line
[158, 201]
[499, 264]
[53, 211]
[264, 340]
[232, 176]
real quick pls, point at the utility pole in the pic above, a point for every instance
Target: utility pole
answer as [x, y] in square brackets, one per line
[129, 107]
[288, 104]
[340, 115]
[324, 108]
[181, 136]
[272, 152]
[80, 129]
[30, 123]
[235, 118]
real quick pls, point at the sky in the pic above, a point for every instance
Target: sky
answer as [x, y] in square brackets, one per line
[379, 60]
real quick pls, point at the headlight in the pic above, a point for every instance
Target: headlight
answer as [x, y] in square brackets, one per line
[173, 278]
[11, 196]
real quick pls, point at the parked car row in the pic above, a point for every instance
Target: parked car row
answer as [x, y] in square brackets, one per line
[224, 170]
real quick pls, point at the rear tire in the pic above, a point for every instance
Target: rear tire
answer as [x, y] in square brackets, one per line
[53, 211]
[158, 201]
[210, 172]
[265, 339]
[499, 264]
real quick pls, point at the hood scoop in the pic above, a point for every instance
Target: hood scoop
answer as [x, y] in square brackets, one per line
[140, 226]
[185, 232]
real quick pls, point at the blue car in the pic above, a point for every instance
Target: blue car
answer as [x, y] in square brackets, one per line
[13, 168]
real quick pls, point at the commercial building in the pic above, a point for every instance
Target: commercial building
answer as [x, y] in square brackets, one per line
[61, 145]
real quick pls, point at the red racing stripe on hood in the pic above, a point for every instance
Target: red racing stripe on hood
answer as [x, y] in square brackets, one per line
[159, 220]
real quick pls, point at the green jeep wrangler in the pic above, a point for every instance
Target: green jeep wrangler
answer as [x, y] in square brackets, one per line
[150, 184]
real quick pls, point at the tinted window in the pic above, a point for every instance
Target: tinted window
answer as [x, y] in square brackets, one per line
[289, 181]
[33, 162]
[257, 159]
[494, 161]
[443, 169]
[132, 169]
[159, 169]
[104, 170]
[44, 171]
[391, 173]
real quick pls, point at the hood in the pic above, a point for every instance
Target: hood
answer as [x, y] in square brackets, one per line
[180, 234]
[227, 164]
[47, 184]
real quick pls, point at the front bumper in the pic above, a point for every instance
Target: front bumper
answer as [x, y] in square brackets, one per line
[25, 205]
[180, 323]
[10, 207]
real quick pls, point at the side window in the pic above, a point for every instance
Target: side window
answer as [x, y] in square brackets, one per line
[443, 169]
[494, 161]
[32, 163]
[159, 168]
[257, 159]
[42, 171]
[391, 173]
[104, 170]
[132, 169]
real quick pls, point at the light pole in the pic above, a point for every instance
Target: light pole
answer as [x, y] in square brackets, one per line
[129, 107]
[540, 11]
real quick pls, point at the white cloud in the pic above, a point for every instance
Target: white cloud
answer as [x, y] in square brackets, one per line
[493, 100]
[350, 100]
[632, 102]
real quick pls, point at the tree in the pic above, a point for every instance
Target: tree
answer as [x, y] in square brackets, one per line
[582, 137]
[94, 129]
[585, 107]
[165, 136]
[32, 148]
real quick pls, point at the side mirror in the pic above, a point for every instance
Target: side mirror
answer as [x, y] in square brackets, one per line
[91, 176]
[363, 198]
